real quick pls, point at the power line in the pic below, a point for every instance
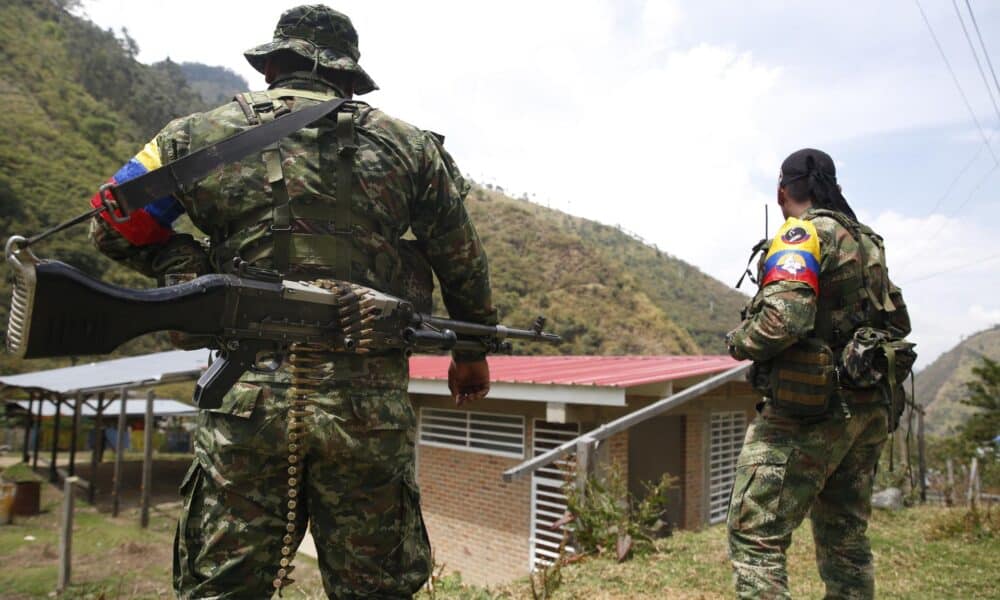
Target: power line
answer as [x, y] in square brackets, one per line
[954, 182]
[927, 241]
[986, 53]
[959, 267]
[975, 55]
[954, 78]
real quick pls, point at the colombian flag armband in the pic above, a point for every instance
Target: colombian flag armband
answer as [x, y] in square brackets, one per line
[152, 223]
[794, 255]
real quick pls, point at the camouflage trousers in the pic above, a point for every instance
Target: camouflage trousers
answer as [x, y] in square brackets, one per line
[789, 468]
[356, 492]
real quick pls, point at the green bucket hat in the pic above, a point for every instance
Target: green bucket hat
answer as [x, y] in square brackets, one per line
[318, 33]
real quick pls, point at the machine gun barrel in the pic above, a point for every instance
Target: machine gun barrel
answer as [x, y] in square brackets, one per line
[463, 328]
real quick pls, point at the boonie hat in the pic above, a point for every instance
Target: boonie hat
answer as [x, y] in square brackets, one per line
[321, 34]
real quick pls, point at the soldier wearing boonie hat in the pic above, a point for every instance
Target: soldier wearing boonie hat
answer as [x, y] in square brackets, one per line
[320, 34]
[328, 447]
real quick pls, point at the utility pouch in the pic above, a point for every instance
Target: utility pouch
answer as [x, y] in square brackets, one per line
[874, 358]
[803, 379]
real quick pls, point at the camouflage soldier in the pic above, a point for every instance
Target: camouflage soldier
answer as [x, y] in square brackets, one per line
[815, 445]
[327, 439]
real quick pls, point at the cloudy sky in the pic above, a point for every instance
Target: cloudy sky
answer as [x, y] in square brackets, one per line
[671, 118]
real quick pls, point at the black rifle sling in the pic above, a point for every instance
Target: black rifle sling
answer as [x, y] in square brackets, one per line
[185, 171]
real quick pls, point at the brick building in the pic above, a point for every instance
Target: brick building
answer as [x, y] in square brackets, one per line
[492, 531]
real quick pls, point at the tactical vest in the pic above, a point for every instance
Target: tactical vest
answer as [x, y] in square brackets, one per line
[853, 296]
[855, 293]
[307, 232]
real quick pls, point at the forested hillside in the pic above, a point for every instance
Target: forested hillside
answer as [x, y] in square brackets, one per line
[78, 105]
[940, 387]
[215, 85]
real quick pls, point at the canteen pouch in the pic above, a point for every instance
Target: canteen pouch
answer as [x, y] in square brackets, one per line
[803, 379]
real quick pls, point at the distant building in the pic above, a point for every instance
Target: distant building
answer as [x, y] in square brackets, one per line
[491, 531]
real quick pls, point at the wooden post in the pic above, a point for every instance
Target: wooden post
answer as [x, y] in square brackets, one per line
[76, 427]
[147, 459]
[53, 476]
[38, 432]
[96, 450]
[27, 427]
[949, 496]
[119, 452]
[921, 456]
[973, 477]
[585, 459]
[66, 534]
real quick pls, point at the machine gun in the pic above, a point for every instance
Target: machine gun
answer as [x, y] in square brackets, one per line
[251, 318]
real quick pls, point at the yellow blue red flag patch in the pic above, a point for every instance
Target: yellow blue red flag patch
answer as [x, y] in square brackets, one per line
[794, 255]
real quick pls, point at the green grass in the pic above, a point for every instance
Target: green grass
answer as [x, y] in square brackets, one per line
[925, 553]
[918, 554]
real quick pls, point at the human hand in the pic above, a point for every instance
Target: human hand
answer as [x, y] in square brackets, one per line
[468, 381]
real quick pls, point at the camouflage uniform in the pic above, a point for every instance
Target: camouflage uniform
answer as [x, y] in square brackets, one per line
[824, 465]
[246, 500]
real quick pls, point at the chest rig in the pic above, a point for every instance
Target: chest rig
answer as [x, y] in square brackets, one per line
[262, 107]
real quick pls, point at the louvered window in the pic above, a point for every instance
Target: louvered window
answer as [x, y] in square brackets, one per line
[548, 496]
[727, 432]
[489, 433]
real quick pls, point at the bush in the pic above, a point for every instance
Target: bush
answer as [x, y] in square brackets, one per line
[605, 517]
[20, 473]
[970, 525]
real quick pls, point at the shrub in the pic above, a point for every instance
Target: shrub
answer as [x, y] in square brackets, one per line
[970, 525]
[606, 517]
[20, 473]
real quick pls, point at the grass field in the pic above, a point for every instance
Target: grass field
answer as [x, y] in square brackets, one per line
[922, 553]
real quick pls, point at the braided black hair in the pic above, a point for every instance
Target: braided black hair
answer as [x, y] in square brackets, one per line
[810, 174]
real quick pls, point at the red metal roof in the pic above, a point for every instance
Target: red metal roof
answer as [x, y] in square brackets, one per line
[608, 371]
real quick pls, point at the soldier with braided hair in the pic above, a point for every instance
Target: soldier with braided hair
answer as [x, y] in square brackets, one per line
[824, 295]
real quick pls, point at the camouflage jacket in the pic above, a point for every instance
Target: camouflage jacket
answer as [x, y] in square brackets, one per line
[402, 181]
[812, 278]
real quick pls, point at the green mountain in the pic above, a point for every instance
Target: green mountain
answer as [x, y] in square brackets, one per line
[78, 105]
[215, 85]
[940, 386]
[603, 290]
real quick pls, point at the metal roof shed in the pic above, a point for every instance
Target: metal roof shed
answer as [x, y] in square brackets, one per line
[101, 381]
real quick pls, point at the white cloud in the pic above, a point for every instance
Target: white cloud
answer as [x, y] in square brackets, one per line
[950, 290]
[987, 316]
[623, 113]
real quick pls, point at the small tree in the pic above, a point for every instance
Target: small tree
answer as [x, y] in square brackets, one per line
[979, 434]
[983, 393]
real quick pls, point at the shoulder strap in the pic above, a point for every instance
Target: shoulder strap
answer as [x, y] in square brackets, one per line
[879, 298]
[173, 176]
[346, 148]
[265, 112]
